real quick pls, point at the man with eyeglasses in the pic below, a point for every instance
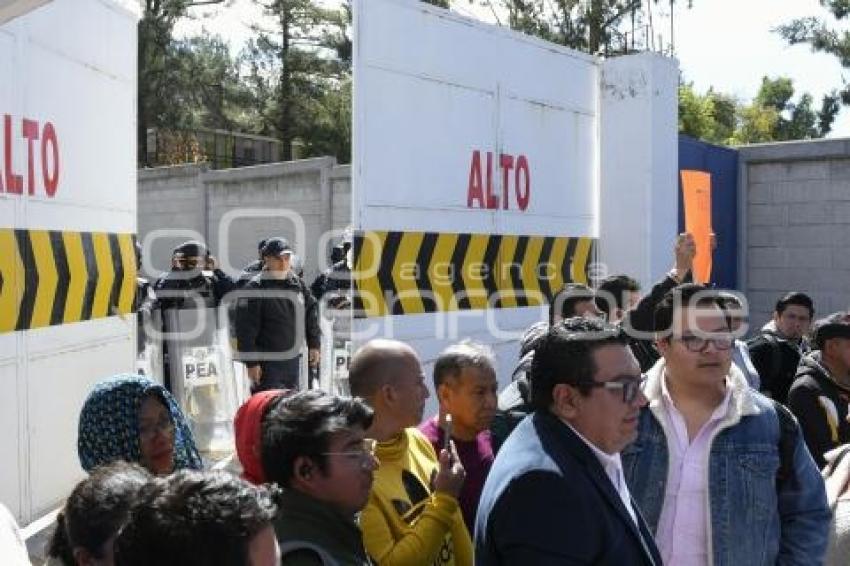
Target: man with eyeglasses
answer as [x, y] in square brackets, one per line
[556, 493]
[314, 448]
[720, 472]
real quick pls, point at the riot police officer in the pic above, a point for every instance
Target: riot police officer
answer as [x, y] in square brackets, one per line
[277, 312]
[194, 275]
[194, 282]
[335, 282]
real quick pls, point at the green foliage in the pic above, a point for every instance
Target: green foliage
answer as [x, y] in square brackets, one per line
[756, 124]
[186, 84]
[771, 116]
[155, 67]
[292, 81]
[588, 26]
[824, 39]
[298, 72]
[592, 26]
[710, 117]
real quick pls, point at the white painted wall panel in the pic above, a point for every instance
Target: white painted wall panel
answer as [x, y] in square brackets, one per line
[74, 66]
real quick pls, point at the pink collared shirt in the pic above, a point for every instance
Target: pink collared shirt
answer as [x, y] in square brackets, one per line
[683, 528]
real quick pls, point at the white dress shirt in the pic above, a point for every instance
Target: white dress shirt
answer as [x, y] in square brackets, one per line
[613, 466]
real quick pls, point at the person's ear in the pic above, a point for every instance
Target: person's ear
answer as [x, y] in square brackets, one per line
[387, 394]
[304, 469]
[662, 343]
[444, 394]
[566, 400]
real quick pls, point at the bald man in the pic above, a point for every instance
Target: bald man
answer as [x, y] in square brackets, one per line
[413, 515]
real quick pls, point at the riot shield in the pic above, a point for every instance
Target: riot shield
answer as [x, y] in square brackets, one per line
[202, 378]
[336, 349]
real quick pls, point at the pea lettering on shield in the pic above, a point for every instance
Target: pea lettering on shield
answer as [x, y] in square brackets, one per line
[201, 370]
[201, 366]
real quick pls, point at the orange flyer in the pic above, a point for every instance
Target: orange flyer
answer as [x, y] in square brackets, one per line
[696, 193]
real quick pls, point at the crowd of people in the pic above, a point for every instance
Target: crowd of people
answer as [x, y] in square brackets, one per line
[635, 429]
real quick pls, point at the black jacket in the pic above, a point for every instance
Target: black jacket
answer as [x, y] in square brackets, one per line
[335, 279]
[188, 289]
[639, 323]
[820, 404]
[251, 270]
[267, 324]
[312, 532]
[547, 501]
[776, 360]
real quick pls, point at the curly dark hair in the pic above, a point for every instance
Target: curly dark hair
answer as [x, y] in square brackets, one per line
[96, 509]
[195, 518]
[302, 426]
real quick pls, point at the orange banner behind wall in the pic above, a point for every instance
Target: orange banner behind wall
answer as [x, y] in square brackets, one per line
[696, 193]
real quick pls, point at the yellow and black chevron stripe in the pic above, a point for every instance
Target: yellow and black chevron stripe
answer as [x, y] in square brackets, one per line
[51, 277]
[420, 272]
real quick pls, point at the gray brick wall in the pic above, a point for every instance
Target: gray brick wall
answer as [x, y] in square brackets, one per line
[256, 202]
[797, 233]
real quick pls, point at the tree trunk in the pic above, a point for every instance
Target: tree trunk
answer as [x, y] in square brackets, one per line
[141, 98]
[594, 27]
[285, 124]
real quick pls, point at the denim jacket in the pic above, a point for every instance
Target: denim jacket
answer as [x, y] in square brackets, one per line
[752, 521]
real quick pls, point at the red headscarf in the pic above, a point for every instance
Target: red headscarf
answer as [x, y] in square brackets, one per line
[247, 427]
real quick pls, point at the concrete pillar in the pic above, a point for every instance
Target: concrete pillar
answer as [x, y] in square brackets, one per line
[638, 165]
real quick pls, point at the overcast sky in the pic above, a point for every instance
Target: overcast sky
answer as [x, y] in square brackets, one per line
[727, 44]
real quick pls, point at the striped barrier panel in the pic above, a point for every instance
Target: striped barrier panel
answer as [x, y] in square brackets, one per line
[50, 277]
[426, 272]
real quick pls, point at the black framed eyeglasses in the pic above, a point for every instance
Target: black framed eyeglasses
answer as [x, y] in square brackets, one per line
[700, 343]
[629, 387]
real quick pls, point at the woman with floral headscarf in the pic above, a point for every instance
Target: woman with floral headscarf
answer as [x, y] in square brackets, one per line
[132, 418]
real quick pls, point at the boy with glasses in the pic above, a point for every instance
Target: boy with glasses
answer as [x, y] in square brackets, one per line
[556, 493]
[314, 447]
[720, 472]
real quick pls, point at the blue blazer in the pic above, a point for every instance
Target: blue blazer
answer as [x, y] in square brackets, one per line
[548, 500]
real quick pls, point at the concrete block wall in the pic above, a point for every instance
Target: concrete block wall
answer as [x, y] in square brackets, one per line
[795, 198]
[233, 209]
[171, 209]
